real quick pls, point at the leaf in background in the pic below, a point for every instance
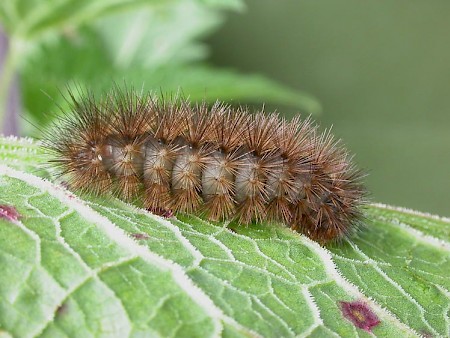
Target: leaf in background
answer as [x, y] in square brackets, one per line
[32, 19]
[146, 44]
[36, 20]
[30, 25]
[102, 266]
[87, 64]
[156, 36]
[196, 82]
[152, 45]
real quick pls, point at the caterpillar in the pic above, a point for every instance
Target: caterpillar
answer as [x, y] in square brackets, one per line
[224, 163]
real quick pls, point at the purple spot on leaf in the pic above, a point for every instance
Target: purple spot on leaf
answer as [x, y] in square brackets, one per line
[62, 309]
[140, 236]
[166, 213]
[65, 185]
[9, 213]
[360, 315]
[426, 334]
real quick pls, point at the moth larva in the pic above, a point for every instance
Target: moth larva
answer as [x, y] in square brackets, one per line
[223, 162]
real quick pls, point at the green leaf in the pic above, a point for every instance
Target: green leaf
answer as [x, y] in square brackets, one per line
[131, 34]
[32, 19]
[196, 82]
[29, 18]
[102, 267]
[50, 69]
[152, 44]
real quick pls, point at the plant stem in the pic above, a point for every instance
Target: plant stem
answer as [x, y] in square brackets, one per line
[8, 70]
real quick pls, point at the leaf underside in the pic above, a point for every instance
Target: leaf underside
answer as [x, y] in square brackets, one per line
[100, 267]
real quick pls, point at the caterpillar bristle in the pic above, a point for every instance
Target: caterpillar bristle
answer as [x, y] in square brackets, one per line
[217, 161]
[228, 128]
[261, 132]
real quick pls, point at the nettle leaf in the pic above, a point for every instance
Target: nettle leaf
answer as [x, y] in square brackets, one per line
[197, 81]
[97, 267]
[34, 19]
[156, 48]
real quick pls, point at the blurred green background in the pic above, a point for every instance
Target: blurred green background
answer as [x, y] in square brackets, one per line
[380, 69]
[379, 72]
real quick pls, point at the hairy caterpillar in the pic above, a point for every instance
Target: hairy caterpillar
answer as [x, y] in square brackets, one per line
[218, 161]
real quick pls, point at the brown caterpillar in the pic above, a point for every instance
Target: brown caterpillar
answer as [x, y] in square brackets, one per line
[218, 161]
